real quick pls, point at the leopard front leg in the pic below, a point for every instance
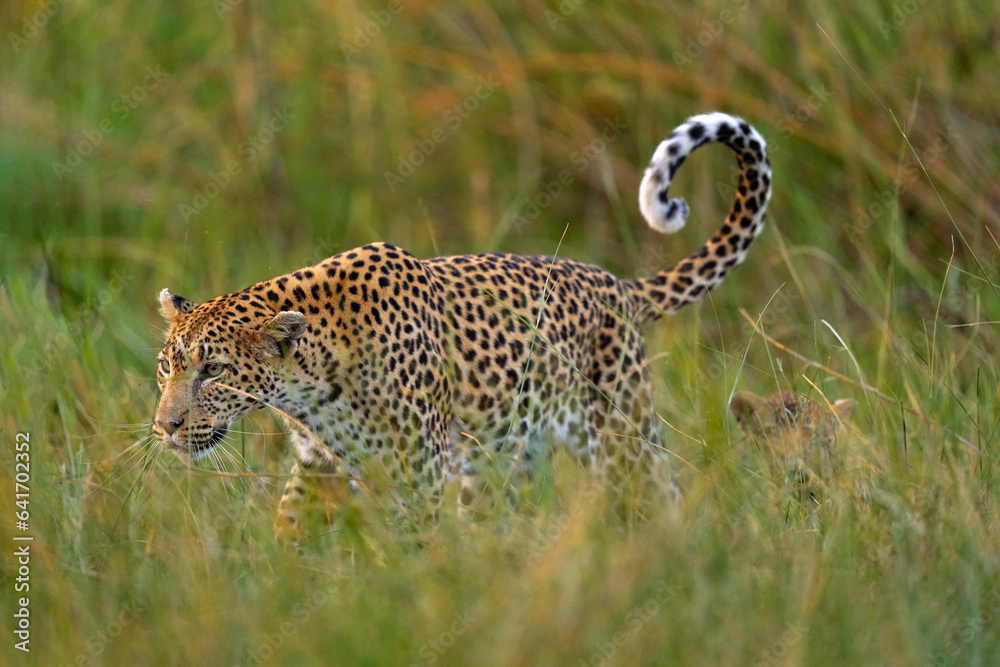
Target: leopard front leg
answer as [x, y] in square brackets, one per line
[310, 502]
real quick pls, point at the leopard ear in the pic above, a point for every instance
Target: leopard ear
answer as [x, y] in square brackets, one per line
[282, 332]
[842, 408]
[746, 407]
[171, 305]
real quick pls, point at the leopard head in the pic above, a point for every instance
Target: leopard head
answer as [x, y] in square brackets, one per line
[223, 359]
[798, 435]
[787, 417]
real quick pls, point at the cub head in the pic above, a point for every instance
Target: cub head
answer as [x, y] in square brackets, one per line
[222, 360]
[788, 418]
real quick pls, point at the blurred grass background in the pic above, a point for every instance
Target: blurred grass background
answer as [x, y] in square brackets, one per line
[204, 146]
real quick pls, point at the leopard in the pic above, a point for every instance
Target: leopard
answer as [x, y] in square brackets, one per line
[797, 436]
[400, 378]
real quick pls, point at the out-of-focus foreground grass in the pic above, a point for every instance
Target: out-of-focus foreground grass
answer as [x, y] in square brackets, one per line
[203, 146]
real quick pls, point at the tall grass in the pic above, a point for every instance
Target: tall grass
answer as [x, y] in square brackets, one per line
[202, 147]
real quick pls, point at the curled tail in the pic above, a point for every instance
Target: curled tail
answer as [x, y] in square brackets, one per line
[690, 279]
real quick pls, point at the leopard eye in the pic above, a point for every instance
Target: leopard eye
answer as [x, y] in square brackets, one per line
[163, 367]
[214, 369]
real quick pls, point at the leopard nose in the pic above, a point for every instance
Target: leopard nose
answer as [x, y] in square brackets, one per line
[169, 426]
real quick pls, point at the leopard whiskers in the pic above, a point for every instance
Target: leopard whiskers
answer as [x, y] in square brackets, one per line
[131, 457]
[139, 461]
[218, 457]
